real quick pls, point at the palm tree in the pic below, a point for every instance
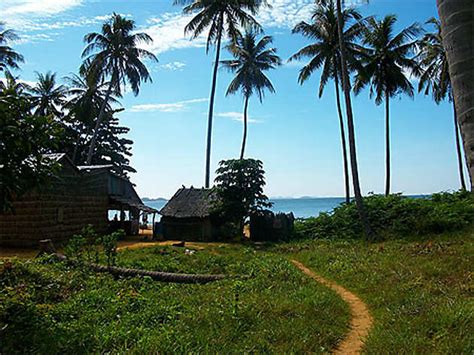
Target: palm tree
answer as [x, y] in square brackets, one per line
[346, 86]
[435, 79]
[220, 18]
[12, 86]
[457, 21]
[86, 97]
[325, 53]
[114, 54]
[8, 57]
[252, 58]
[385, 62]
[47, 96]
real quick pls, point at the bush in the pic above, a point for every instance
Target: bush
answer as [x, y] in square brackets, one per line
[87, 246]
[394, 215]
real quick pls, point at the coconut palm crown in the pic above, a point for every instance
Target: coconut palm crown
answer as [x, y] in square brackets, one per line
[325, 51]
[8, 57]
[114, 54]
[220, 18]
[435, 70]
[87, 95]
[388, 58]
[434, 79]
[387, 61]
[47, 96]
[251, 59]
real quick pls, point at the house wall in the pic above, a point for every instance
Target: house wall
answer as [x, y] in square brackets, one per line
[187, 229]
[57, 212]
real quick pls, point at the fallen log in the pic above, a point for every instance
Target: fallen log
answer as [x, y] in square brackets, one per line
[125, 272]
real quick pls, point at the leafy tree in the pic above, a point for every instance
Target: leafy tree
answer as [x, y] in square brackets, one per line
[113, 148]
[115, 54]
[239, 188]
[434, 78]
[48, 97]
[8, 57]
[252, 58]
[220, 18]
[456, 23]
[325, 52]
[24, 141]
[386, 61]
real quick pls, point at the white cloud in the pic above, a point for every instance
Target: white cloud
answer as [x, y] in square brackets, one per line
[236, 116]
[36, 7]
[172, 66]
[168, 107]
[167, 30]
[285, 13]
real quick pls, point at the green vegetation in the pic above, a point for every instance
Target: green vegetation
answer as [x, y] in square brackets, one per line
[48, 307]
[239, 191]
[394, 216]
[419, 291]
[24, 138]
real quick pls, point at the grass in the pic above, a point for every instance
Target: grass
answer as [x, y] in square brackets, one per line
[419, 291]
[48, 307]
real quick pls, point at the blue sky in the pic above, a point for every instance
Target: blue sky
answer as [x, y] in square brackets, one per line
[293, 132]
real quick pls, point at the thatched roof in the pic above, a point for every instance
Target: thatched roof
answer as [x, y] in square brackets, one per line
[189, 203]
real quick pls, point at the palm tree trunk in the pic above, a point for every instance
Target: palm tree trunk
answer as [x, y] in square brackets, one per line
[457, 21]
[99, 121]
[211, 105]
[458, 149]
[350, 128]
[343, 136]
[387, 144]
[244, 139]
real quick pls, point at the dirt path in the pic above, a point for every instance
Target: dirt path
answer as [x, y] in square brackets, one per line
[361, 320]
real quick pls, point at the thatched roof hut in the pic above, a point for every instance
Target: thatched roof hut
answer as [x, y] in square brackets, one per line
[188, 216]
[73, 198]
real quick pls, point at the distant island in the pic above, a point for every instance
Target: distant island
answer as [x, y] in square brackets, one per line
[159, 199]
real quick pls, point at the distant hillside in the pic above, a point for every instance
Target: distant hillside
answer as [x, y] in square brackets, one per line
[159, 199]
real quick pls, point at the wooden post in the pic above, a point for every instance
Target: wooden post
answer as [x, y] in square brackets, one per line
[46, 246]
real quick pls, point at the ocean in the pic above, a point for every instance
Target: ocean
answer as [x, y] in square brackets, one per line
[301, 207]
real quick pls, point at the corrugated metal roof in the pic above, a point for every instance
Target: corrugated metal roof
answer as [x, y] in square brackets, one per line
[94, 167]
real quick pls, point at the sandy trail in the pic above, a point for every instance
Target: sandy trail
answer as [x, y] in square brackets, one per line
[361, 321]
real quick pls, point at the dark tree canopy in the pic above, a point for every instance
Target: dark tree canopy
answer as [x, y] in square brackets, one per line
[24, 140]
[239, 186]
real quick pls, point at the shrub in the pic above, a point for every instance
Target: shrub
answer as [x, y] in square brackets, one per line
[87, 246]
[394, 215]
[109, 243]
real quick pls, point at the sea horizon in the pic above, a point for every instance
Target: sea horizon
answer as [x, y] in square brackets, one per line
[301, 207]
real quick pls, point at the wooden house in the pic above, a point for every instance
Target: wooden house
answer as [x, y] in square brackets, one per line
[188, 216]
[74, 198]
